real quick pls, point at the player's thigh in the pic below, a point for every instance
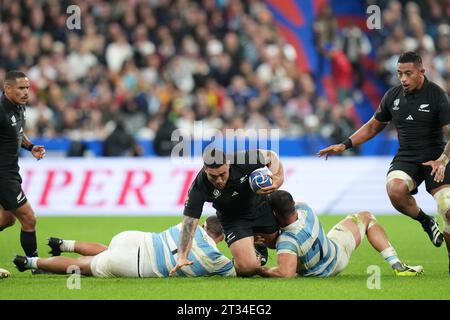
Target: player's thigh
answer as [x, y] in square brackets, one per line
[411, 174]
[127, 239]
[343, 235]
[243, 252]
[117, 262]
[442, 197]
[84, 263]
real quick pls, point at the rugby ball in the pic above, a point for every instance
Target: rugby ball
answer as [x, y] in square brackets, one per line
[260, 178]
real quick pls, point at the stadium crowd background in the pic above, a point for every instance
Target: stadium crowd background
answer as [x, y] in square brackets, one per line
[139, 69]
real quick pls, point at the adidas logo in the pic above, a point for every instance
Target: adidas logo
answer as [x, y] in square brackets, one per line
[234, 194]
[409, 118]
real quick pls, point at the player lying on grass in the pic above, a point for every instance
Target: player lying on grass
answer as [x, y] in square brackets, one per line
[304, 249]
[138, 254]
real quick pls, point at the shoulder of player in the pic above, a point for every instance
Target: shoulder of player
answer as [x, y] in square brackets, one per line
[199, 182]
[435, 89]
[389, 97]
[393, 93]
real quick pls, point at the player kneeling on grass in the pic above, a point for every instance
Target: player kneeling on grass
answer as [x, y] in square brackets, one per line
[138, 254]
[304, 249]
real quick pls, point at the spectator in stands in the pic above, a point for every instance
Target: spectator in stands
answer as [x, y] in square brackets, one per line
[120, 143]
[151, 52]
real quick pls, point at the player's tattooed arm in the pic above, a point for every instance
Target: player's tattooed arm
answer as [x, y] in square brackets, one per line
[187, 233]
[447, 146]
[184, 246]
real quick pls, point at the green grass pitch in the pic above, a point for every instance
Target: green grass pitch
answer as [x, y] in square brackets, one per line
[406, 235]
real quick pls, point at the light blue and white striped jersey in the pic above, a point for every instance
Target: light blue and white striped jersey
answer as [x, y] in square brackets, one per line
[207, 259]
[316, 254]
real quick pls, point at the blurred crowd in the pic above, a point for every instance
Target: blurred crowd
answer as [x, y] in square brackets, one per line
[140, 69]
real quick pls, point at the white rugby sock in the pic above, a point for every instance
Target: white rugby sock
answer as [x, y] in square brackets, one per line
[68, 246]
[390, 255]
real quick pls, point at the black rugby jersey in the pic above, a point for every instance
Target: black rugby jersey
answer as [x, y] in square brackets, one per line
[236, 200]
[12, 126]
[418, 117]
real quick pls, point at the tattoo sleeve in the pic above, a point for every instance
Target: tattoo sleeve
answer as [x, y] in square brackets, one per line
[445, 156]
[187, 233]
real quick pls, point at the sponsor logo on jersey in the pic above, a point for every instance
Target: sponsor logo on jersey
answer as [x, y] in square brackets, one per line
[13, 121]
[235, 194]
[409, 117]
[216, 193]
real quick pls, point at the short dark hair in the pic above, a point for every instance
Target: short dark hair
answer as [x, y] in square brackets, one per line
[13, 75]
[214, 227]
[282, 203]
[410, 56]
[214, 158]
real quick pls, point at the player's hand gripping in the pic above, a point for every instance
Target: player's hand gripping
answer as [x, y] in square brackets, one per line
[438, 167]
[333, 149]
[276, 183]
[38, 152]
[181, 262]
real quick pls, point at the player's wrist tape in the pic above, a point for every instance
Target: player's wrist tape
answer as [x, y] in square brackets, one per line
[443, 159]
[348, 143]
[30, 147]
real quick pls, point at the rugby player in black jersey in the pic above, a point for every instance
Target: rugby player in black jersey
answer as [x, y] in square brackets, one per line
[420, 111]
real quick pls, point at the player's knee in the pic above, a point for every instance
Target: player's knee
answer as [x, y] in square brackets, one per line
[366, 217]
[397, 191]
[442, 198]
[246, 268]
[362, 220]
[11, 222]
[399, 184]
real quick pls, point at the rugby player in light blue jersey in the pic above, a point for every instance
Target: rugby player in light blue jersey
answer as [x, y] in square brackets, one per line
[304, 249]
[138, 254]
